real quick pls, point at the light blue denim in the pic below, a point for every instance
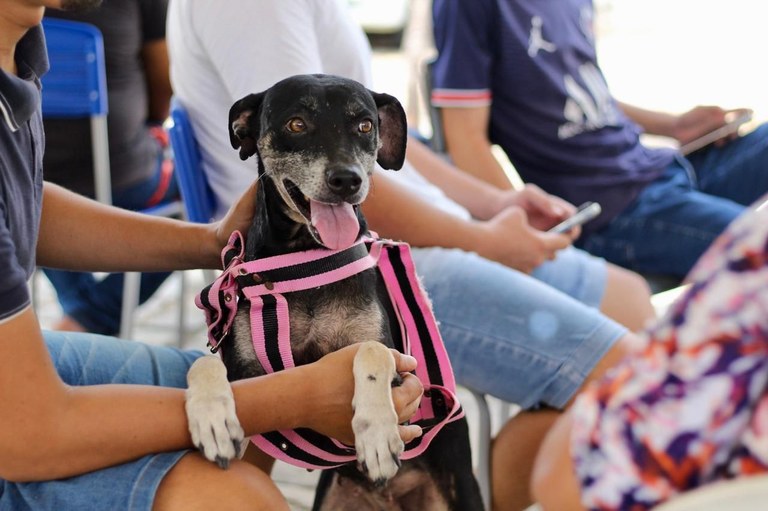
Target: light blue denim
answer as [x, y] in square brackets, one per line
[86, 359]
[511, 335]
[675, 218]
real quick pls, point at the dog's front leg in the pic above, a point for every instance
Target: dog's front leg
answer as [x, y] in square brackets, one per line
[210, 406]
[377, 439]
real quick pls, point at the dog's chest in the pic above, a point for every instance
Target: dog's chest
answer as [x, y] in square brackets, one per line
[320, 320]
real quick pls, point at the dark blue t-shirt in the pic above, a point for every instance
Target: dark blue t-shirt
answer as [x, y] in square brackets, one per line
[21, 171]
[534, 63]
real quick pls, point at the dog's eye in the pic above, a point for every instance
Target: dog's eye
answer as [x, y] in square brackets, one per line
[365, 126]
[296, 125]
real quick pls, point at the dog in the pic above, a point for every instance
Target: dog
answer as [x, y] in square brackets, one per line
[317, 139]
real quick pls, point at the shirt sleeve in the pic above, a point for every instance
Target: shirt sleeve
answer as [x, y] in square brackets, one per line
[461, 73]
[14, 292]
[690, 407]
[153, 16]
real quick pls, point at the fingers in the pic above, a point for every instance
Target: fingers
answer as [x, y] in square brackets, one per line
[407, 397]
[403, 363]
[409, 432]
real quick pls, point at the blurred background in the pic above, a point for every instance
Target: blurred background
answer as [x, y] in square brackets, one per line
[660, 54]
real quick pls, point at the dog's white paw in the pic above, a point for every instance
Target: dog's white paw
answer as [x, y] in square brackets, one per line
[210, 406]
[378, 443]
[377, 439]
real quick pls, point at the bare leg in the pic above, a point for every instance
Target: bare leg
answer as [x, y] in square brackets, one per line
[197, 484]
[515, 447]
[627, 299]
[512, 454]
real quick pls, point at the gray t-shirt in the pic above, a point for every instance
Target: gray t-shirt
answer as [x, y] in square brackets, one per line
[126, 26]
[22, 143]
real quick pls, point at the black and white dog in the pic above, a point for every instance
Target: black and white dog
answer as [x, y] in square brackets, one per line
[317, 138]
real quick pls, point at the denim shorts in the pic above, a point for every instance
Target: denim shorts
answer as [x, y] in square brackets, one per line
[513, 336]
[87, 359]
[677, 217]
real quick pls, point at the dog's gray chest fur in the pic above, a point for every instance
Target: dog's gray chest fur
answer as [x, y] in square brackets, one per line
[321, 321]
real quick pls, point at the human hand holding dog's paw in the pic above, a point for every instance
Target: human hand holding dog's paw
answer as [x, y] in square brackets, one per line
[210, 406]
[328, 406]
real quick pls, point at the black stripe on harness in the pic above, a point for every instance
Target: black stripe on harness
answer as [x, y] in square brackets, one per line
[308, 269]
[427, 342]
[271, 330]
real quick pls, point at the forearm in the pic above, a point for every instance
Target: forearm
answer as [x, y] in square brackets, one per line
[417, 222]
[80, 234]
[157, 68]
[478, 197]
[469, 147]
[654, 123]
[51, 430]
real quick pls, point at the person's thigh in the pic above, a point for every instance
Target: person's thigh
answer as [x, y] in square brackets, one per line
[666, 229]
[86, 359]
[576, 273]
[738, 170]
[510, 335]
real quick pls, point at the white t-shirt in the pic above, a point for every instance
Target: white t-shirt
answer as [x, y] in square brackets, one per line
[223, 51]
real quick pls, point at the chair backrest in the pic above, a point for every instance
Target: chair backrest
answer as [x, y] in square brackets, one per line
[76, 86]
[196, 193]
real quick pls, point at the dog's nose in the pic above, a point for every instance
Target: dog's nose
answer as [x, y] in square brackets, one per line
[344, 181]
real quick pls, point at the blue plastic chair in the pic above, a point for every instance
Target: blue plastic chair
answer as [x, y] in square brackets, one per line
[196, 194]
[76, 87]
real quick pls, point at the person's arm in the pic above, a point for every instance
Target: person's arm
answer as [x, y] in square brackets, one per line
[684, 127]
[466, 138]
[394, 211]
[154, 55]
[482, 200]
[52, 430]
[77, 233]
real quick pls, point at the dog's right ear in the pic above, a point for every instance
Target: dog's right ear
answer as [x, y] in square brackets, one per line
[244, 124]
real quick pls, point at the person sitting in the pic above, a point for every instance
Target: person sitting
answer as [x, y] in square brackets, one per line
[95, 422]
[688, 406]
[139, 94]
[524, 75]
[531, 340]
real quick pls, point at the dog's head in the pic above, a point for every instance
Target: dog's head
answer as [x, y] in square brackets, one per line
[318, 138]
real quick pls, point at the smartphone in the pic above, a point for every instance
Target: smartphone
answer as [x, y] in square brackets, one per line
[584, 213]
[729, 128]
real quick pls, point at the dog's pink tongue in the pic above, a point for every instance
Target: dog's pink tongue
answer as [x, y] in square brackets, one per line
[336, 225]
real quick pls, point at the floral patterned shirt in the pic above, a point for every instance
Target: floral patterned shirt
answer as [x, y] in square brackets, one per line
[691, 406]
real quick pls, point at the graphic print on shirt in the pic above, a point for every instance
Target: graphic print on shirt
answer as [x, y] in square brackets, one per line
[536, 39]
[586, 109]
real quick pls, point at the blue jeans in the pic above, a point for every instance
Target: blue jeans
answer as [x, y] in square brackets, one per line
[97, 303]
[675, 218]
[514, 336]
[86, 359]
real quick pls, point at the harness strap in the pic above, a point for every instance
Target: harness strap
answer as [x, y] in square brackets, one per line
[262, 282]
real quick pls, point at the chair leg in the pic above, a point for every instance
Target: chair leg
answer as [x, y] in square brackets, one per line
[131, 285]
[182, 332]
[483, 453]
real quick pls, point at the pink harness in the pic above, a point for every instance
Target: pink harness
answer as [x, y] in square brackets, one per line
[264, 281]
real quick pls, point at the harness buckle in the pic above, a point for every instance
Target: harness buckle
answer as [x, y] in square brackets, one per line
[215, 349]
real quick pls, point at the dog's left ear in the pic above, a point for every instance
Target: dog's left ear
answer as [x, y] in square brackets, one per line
[244, 124]
[393, 131]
